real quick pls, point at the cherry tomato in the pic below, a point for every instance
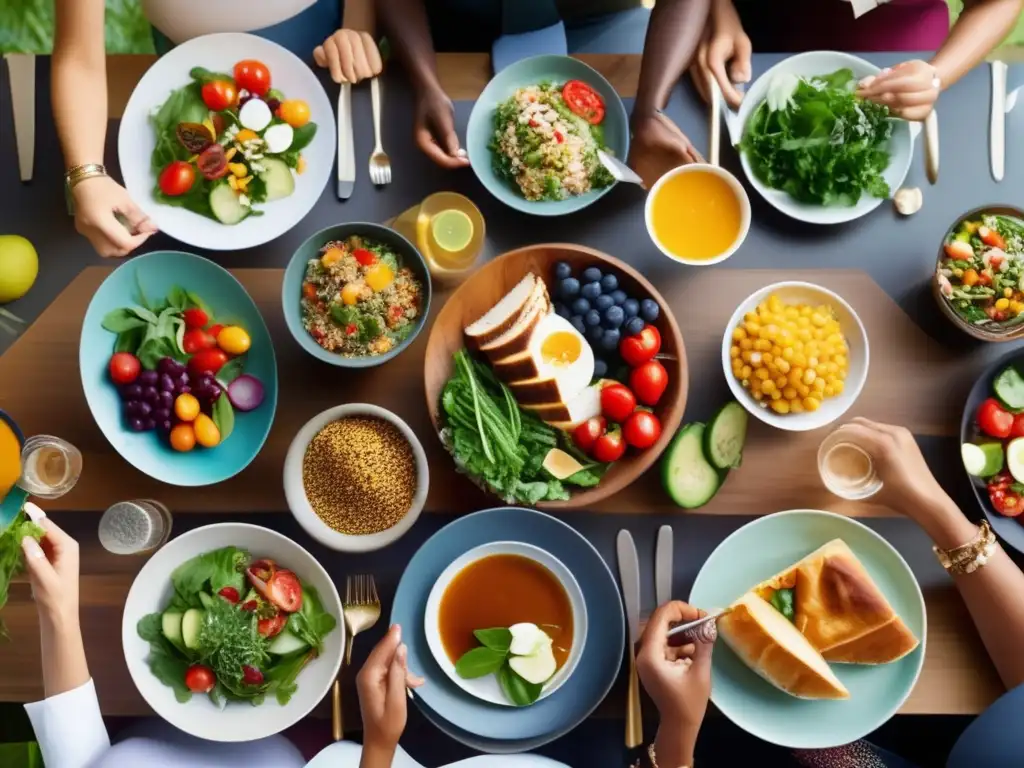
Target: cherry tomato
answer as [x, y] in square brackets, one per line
[641, 430]
[1017, 430]
[295, 112]
[182, 437]
[271, 626]
[250, 606]
[234, 340]
[617, 402]
[207, 361]
[251, 675]
[207, 432]
[587, 433]
[196, 339]
[186, 407]
[253, 76]
[364, 257]
[285, 591]
[219, 95]
[195, 137]
[991, 238]
[1006, 501]
[994, 420]
[584, 101]
[177, 178]
[124, 368]
[195, 318]
[200, 678]
[637, 350]
[215, 329]
[230, 594]
[648, 382]
[610, 446]
[213, 162]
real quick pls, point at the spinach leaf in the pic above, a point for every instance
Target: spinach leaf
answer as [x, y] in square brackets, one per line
[280, 678]
[231, 370]
[219, 568]
[782, 601]
[166, 663]
[497, 639]
[143, 313]
[11, 559]
[154, 350]
[194, 300]
[302, 137]
[518, 691]
[129, 341]
[312, 623]
[177, 297]
[223, 416]
[479, 662]
[203, 75]
[121, 320]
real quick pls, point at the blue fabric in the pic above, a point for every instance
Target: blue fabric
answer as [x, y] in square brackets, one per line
[508, 49]
[622, 32]
[995, 739]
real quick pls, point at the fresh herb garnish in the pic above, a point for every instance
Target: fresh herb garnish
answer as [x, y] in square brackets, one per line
[494, 657]
[11, 560]
[782, 601]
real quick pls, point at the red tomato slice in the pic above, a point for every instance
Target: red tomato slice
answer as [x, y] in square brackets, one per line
[584, 101]
[1006, 502]
[213, 162]
[272, 626]
[994, 420]
[1017, 430]
[285, 591]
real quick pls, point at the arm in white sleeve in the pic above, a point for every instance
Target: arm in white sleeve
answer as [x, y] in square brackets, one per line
[69, 727]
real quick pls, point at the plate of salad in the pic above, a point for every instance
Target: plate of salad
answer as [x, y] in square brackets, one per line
[227, 141]
[233, 632]
[812, 148]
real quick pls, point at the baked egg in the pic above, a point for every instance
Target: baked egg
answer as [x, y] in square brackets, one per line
[556, 366]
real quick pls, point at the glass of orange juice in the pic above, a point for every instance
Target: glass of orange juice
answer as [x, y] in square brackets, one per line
[448, 229]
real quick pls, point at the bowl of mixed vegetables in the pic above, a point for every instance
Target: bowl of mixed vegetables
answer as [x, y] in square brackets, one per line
[979, 278]
[232, 632]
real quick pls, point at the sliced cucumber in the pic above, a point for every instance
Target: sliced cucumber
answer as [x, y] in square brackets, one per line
[171, 626]
[191, 624]
[982, 460]
[286, 643]
[225, 206]
[688, 477]
[725, 435]
[1015, 458]
[206, 599]
[1009, 387]
[278, 178]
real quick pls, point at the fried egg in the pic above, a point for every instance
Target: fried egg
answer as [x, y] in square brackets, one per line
[556, 366]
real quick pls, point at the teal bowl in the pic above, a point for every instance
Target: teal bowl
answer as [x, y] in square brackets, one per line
[148, 452]
[294, 275]
[758, 551]
[538, 69]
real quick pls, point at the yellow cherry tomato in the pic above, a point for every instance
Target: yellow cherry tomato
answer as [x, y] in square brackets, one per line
[233, 340]
[183, 437]
[295, 112]
[186, 407]
[207, 434]
[350, 293]
[245, 135]
[379, 276]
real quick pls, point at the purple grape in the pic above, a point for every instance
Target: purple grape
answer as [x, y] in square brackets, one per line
[204, 380]
[131, 392]
[215, 390]
[183, 390]
[143, 409]
[149, 378]
[167, 400]
[136, 425]
[274, 105]
[167, 365]
[164, 427]
[166, 383]
[148, 424]
[160, 414]
[181, 379]
[150, 395]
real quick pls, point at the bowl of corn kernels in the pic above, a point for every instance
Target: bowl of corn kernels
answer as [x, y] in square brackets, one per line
[795, 355]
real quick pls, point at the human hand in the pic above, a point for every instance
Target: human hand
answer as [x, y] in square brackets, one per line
[98, 200]
[350, 55]
[52, 566]
[724, 54]
[434, 129]
[909, 89]
[659, 146]
[381, 684]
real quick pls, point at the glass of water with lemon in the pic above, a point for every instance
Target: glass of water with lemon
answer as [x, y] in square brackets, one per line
[448, 229]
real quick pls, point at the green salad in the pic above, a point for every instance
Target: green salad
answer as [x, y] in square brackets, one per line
[11, 560]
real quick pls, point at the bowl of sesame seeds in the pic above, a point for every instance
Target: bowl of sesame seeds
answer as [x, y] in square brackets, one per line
[356, 477]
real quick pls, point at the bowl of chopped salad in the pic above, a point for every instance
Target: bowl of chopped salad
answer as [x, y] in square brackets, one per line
[534, 133]
[232, 632]
[355, 295]
[979, 278]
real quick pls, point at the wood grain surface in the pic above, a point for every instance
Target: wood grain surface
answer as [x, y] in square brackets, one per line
[492, 281]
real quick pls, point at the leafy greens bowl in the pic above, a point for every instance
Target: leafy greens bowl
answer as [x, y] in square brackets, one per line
[813, 178]
[199, 562]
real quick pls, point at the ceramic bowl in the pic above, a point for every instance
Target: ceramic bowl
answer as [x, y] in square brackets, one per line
[294, 276]
[734, 185]
[531, 71]
[295, 492]
[148, 452]
[978, 332]
[765, 547]
[486, 688]
[152, 590]
[490, 282]
[136, 139]
[856, 339]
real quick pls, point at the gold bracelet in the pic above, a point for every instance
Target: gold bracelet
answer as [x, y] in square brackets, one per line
[80, 173]
[969, 557]
[654, 758]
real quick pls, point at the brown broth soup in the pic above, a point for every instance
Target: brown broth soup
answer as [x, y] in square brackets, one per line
[499, 591]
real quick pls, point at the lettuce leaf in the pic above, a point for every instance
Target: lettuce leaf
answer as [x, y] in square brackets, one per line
[11, 560]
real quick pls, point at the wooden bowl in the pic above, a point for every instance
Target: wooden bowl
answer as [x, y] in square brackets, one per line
[493, 280]
[972, 330]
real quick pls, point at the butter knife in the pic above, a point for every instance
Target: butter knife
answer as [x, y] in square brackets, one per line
[663, 565]
[997, 120]
[629, 576]
[346, 148]
[21, 69]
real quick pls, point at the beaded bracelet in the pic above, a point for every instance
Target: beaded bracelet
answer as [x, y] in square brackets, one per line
[654, 758]
[969, 557]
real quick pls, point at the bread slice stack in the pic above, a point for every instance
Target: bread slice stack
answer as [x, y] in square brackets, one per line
[839, 616]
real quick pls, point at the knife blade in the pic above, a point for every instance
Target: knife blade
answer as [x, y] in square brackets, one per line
[346, 147]
[931, 146]
[629, 576]
[997, 120]
[663, 565]
[21, 69]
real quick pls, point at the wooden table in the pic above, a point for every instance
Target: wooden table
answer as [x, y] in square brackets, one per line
[38, 384]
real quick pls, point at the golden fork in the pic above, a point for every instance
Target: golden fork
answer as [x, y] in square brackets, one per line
[361, 610]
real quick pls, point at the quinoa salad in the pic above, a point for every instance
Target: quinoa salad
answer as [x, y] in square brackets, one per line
[546, 139]
[357, 298]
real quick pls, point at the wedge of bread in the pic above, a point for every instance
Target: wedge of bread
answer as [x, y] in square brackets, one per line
[502, 315]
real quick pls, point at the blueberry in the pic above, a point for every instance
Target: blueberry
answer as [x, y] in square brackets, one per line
[631, 307]
[610, 339]
[592, 319]
[577, 323]
[634, 325]
[591, 275]
[609, 282]
[649, 310]
[595, 334]
[602, 302]
[591, 290]
[600, 369]
[561, 310]
[619, 297]
[562, 270]
[569, 288]
[614, 317]
[580, 306]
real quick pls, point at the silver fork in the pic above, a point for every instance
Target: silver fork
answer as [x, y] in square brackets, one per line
[380, 165]
[361, 610]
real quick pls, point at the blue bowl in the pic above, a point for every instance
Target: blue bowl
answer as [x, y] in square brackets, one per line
[537, 69]
[157, 273]
[294, 276]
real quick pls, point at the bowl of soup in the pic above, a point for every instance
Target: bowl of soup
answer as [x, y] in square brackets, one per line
[698, 214]
[489, 590]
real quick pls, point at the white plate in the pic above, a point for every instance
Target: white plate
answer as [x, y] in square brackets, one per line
[901, 145]
[220, 53]
[152, 590]
[856, 340]
[487, 687]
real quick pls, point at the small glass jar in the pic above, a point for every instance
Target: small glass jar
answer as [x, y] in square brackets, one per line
[846, 469]
[137, 527]
[50, 467]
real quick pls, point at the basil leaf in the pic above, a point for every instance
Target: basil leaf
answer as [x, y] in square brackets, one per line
[165, 323]
[479, 662]
[129, 341]
[195, 301]
[497, 639]
[121, 320]
[302, 137]
[223, 416]
[144, 314]
[154, 350]
[179, 334]
[231, 370]
[782, 601]
[518, 691]
[177, 297]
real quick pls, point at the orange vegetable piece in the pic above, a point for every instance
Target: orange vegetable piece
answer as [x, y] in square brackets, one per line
[333, 256]
[970, 277]
[206, 432]
[183, 437]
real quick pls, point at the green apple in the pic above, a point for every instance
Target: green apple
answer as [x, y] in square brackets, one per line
[19, 265]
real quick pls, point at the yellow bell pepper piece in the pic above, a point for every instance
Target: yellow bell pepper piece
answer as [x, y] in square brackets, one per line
[379, 276]
[332, 257]
[238, 169]
[350, 293]
[300, 166]
[230, 152]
